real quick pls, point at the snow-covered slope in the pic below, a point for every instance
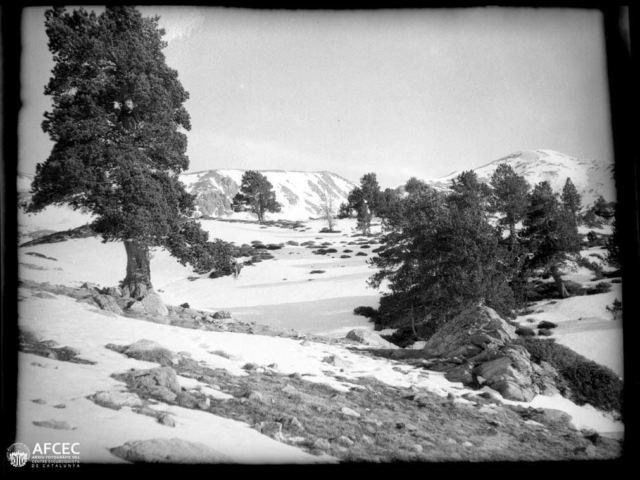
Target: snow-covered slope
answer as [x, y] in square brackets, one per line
[300, 193]
[592, 178]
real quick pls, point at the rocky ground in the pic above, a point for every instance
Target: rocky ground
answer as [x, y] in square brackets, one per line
[366, 420]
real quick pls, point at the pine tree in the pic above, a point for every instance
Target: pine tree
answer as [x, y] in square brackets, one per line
[365, 200]
[117, 125]
[509, 197]
[256, 194]
[551, 233]
[442, 256]
[571, 199]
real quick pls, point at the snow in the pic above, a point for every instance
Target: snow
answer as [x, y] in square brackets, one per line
[312, 303]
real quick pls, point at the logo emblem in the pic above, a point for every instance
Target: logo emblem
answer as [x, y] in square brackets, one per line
[18, 454]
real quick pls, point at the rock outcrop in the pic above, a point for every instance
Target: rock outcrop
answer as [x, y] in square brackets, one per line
[476, 348]
[367, 337]
[169, 450]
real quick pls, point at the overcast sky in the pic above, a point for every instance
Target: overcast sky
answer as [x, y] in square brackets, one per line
[400, 93]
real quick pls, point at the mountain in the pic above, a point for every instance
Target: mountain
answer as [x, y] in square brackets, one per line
[591, 178]
[300, 193]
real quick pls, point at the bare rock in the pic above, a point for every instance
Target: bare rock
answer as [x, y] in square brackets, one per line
[169, 450]
[349, 412]
[336, 361]
[368, 337]
[159, 382]
[344, 441]
[474, 330]
[55, 424]
[150, 351]
[108, 303]
[154, 305]
[116, 400]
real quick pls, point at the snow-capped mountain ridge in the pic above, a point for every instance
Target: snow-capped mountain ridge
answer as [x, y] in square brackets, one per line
[592, 178]
[300, 193]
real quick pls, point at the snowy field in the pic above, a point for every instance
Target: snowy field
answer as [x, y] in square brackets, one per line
[280, 292]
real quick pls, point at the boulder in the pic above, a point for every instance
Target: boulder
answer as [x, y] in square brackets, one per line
[169, 450]
[470, 333]
[476, 348]
[154, 305]
[150, 351]
[367, 337]
[158, 382]
[116, 400]
[108, 303]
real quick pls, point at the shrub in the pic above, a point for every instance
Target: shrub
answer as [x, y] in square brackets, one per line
[587, 381]
[361, 254]
[317, 271]
[544, 332]
[525, 332]
[546, 325]
[346, 250]
[615, 308]
[368, 312]
[185, 305]
[345, 256]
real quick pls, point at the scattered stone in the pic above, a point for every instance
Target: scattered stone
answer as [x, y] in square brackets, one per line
[256, 396]
[292, 424]
[55, 424]
[149, 351]
[349, 412]
[271, 429]
[370, 338]
[337, 361]
[169, 450]
[344, 441]
[157, 382]
[89, 286]
[60, 405]
[289, 390]
[45, 295]
[367, 440]
[467, 444]
[417, 448]
[187, 400]
[322, 444]
[166, 419]
[116, 400]
[451, 441]
[222, 314]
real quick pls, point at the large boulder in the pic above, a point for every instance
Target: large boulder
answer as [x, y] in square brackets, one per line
[470, 333]
[169, 450]
[476, 348]
[154, 305]
[370, 338]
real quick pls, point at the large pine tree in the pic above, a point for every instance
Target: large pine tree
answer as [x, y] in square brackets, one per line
[550, 233]
[509, 197]
[117, 124]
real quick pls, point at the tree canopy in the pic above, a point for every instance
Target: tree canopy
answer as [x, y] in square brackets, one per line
[118, 123]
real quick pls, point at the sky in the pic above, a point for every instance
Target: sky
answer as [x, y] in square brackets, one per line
[400, 93]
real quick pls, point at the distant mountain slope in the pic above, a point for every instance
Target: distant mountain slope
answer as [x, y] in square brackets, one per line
[300, 193]
[591, 177]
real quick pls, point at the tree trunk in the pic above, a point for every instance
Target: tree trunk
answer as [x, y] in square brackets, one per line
[137, 283]
[555, 273]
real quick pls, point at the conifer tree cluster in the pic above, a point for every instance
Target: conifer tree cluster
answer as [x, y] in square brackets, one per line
[447, 251]
[256, 195]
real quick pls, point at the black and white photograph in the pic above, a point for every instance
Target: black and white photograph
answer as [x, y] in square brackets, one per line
[320, 236]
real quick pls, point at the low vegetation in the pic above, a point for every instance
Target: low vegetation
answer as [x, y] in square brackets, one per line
[585, 381]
